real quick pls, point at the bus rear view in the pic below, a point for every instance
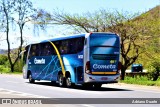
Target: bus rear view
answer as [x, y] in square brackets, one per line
[101, 58]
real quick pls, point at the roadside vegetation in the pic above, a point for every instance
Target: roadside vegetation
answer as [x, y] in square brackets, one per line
[151, 78]
[143, 80]
[5, 66]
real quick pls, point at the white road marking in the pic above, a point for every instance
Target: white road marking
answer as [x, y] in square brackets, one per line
[86, 105]
[7, 91]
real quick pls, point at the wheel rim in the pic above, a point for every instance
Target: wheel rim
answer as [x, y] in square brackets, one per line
[30, 78]
[68, 82]
[60, 80]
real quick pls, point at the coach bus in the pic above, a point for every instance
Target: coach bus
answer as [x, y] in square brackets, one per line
[90, 59]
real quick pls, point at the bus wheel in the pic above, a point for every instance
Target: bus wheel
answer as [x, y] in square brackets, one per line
[97, 86]
[31, 80]
[68, 82]
[60, 80]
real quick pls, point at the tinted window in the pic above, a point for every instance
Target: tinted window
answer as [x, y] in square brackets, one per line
[46, 49]
[70, 46]
[34, 51]
[25, 54]
[64, 47]
[104, 39]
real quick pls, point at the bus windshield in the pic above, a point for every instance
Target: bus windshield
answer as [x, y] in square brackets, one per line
[104, 40]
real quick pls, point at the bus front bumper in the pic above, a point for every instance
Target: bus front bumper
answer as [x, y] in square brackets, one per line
[101, 79]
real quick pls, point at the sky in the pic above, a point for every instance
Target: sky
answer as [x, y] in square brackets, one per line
[82, 6]
[77, 6]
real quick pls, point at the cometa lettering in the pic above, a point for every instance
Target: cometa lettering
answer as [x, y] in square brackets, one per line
[96, 66]
[39, 61]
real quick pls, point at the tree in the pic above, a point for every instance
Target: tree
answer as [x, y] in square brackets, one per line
[24, 10]
[40, 20]
[19, 11]
[6, 12]
[130, 47]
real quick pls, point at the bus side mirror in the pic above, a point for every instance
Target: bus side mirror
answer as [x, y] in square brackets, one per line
[21, 53]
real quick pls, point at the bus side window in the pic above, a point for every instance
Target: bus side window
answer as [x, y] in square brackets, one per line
[43, 49]
[52, 49]
[58, 45]
[34, 51]
[72, 46]
[64, 48]
[76, 45]
[47, 49]
[80, 44]
[25, 55]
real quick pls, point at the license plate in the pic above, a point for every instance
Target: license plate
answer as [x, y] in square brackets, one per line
[104, 78]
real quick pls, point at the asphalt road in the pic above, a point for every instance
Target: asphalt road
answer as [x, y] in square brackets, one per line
[14, 86]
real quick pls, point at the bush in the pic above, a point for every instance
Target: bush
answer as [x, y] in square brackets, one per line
[4, 69]
[18, 66]
[154, 69]
[143, 80]
[1, 68]
[3, 59]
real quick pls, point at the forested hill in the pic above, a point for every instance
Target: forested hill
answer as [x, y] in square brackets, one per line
[150, 41]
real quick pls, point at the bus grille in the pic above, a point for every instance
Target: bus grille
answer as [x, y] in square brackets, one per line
[104, 56]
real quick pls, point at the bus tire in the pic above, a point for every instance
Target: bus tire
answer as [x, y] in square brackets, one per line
[60, 80]
[31, 80]
[69, 83]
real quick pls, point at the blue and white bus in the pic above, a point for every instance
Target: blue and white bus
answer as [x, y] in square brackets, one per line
[90, 59]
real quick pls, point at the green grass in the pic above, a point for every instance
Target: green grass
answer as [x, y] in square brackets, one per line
[141, 81]
[6, 70]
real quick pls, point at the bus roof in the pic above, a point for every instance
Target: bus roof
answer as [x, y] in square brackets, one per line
[64, 37]
[72, 36]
